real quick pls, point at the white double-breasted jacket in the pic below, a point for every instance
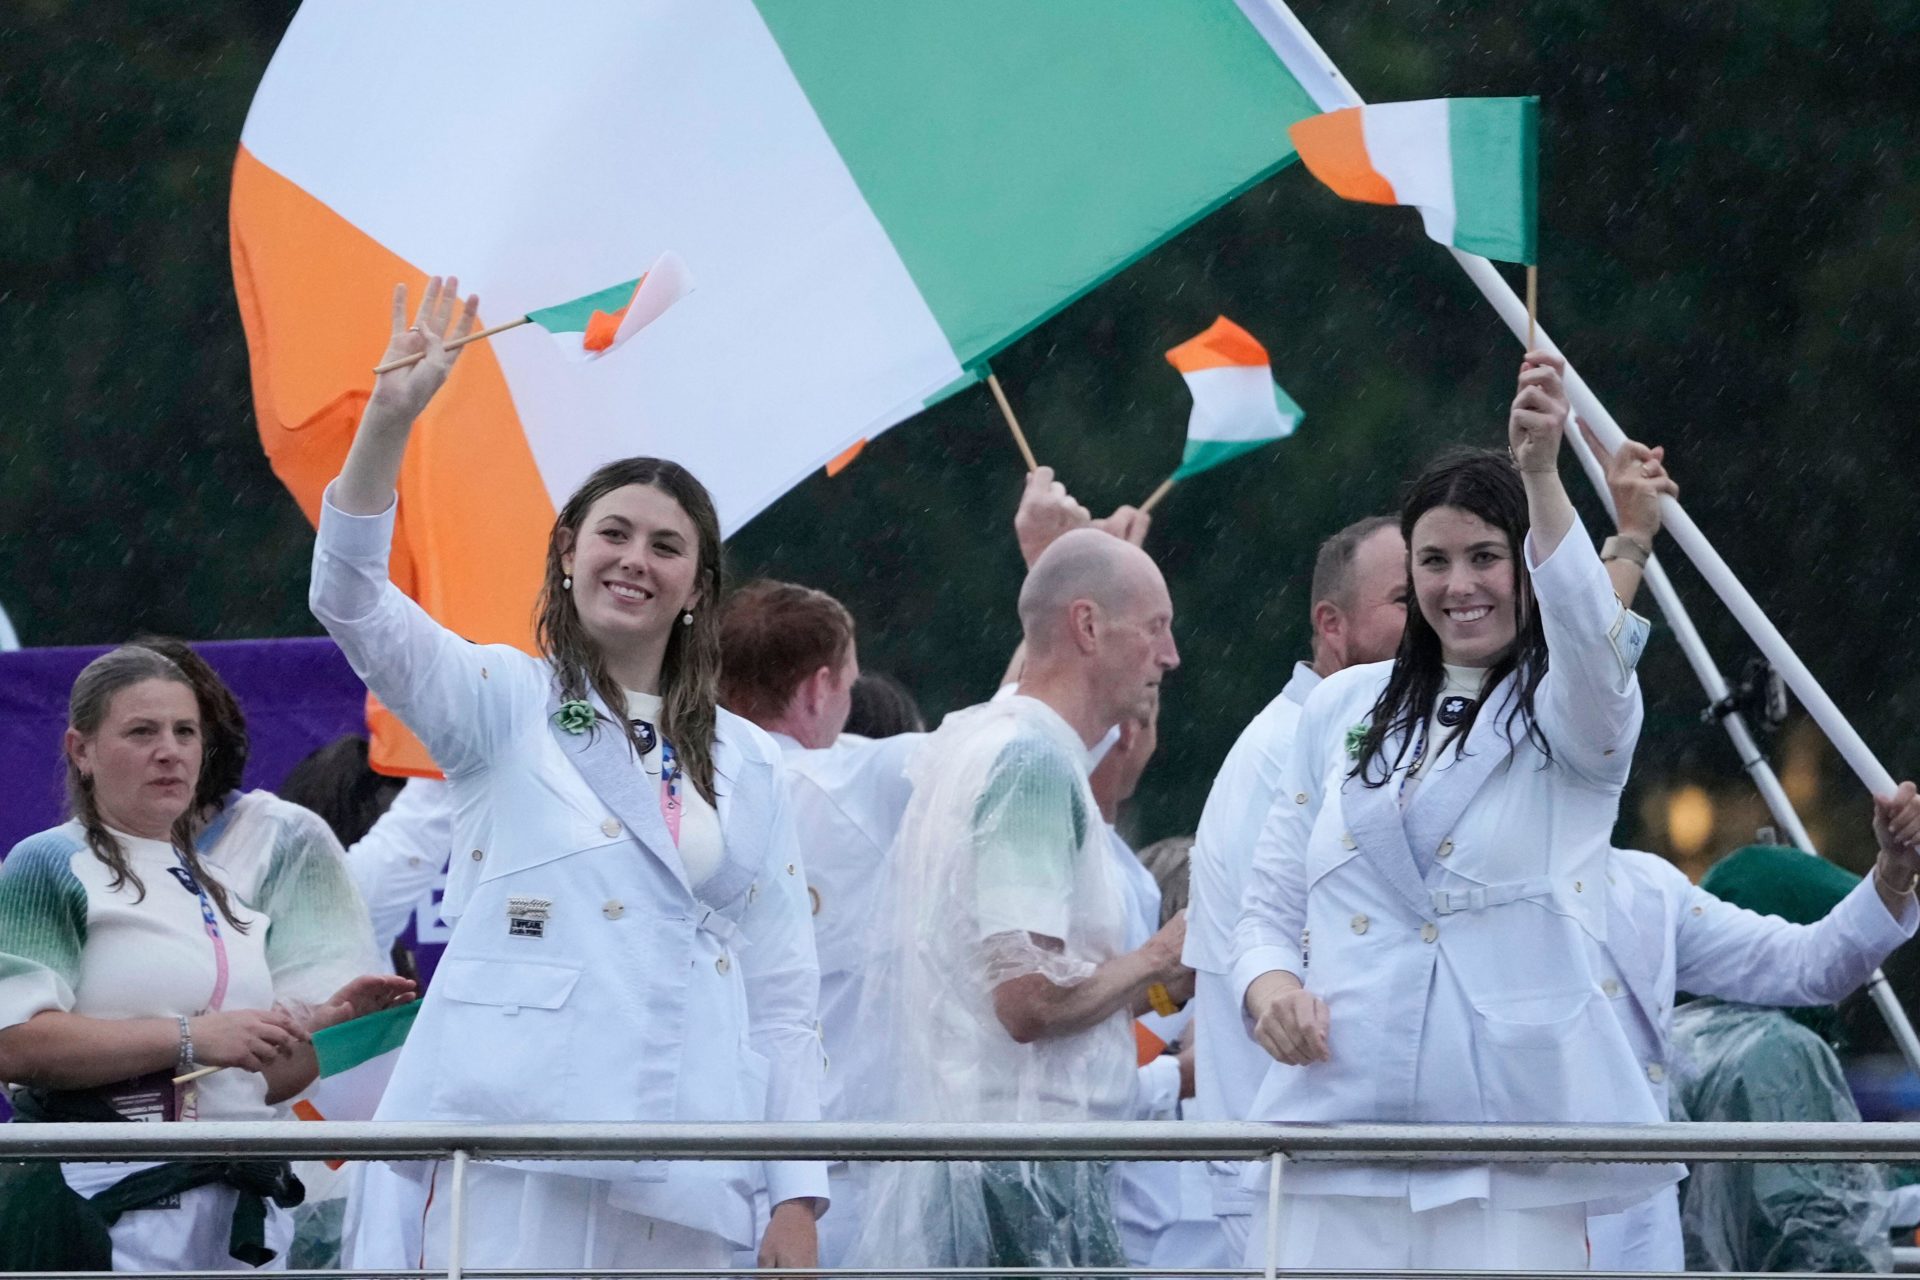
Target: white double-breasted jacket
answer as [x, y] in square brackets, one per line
[585, 978]
[1452, 942]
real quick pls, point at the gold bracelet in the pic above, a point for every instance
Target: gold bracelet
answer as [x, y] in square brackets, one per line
[1162, 1000]
[1621, 547]
[1912, 882]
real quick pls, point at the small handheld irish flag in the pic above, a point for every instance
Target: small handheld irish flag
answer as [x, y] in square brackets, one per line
[1237, 406]
[589, 327]
[1470, 165]
[356, 1058]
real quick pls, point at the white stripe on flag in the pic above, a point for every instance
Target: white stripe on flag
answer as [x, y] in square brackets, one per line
[1234, 404]
[1411, 148]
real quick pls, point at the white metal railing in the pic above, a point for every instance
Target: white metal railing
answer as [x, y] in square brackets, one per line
[1278, 1144]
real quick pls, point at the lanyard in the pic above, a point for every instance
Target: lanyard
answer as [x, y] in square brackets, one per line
[211, 920]
[670, 790]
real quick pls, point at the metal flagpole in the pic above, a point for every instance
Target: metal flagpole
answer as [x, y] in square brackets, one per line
[1752, 759]
[1330, 90]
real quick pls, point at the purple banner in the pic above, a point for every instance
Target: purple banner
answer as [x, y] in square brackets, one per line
[298, 694]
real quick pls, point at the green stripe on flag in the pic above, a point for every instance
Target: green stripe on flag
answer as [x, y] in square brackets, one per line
[572, 317]
[1018, 154]
[348, 1044]
[1496, 181]
[1203, 455]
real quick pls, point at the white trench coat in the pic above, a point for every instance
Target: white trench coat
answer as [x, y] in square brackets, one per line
[585, 978]
[1452, 943]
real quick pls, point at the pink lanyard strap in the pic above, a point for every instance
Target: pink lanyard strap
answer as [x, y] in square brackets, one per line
[212, 923]
[670, 791]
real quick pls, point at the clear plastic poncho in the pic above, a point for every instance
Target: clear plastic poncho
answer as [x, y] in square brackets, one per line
[1000, 870]
[1740, 1063]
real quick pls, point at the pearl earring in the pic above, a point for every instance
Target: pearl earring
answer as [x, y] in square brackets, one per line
[566, 582]
[686, 619]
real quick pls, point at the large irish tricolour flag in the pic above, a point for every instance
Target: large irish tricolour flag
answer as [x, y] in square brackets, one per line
[874, 196]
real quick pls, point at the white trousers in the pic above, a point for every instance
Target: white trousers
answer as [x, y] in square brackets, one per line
[518, 1219]
[1382, 1233]
[1643, 1238]
[190, 1237]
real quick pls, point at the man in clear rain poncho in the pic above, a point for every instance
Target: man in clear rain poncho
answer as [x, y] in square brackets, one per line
[1745, 1063]
[1004, 992]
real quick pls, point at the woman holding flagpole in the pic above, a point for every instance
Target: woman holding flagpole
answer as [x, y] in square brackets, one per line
[631, 934]
[1415, 939]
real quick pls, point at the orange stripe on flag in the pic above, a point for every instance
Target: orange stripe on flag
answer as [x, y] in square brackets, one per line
[470, 544]
[1223, 344]
[1334, 149]
[845, 460]
[307, 1111]
[602, 327]
[1146, 1045]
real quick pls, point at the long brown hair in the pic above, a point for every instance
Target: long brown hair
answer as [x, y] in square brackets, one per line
[87, 707]
[690, 671]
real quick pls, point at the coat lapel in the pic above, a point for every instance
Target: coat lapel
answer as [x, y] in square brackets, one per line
[743, 798]
[1374, 821]
[1443, 794]
[605, 759]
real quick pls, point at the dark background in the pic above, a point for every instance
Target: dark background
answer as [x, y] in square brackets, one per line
[1730, 196]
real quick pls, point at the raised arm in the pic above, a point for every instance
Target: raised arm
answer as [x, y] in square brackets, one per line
[1636, 480]
[372, 470]
[457, 696]
[1589, 700]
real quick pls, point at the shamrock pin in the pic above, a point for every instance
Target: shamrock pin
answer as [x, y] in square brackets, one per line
[576, 715]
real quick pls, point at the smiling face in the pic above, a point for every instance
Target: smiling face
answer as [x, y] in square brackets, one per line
[144, 759]
[1463, 578]
[634, 561]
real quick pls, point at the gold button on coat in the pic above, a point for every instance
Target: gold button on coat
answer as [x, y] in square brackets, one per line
[1446, 847]
[1300, 797]
[1348, 841]
[1611, 987]
[1429, 931]
[610, 827]
[721, 965]
[477, 855]
[1656, 1072]
[1360, 924]
[614, 909]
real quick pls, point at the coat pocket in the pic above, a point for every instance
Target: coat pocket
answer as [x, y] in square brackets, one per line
[1531, 1057]
[506, 1044]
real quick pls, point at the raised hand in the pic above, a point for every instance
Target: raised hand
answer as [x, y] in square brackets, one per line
[1896, 827]
[404, 392]
[1128, 523]
[1538, 417]
[1637, 478]
[1046, 511]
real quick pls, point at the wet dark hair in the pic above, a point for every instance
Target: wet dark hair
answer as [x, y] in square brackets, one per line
[1484, 484]
[690, 672]
[223, 725]
[336, 782]
[87, 706]
[882, 707]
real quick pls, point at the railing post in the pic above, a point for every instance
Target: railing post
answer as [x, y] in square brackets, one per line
[457, 1218]
[1274, 1170]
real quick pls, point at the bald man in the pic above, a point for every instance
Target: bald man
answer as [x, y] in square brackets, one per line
[1006, 992]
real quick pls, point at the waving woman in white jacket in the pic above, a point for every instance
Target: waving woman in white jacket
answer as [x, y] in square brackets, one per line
[631, 936]
[1414, 943]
